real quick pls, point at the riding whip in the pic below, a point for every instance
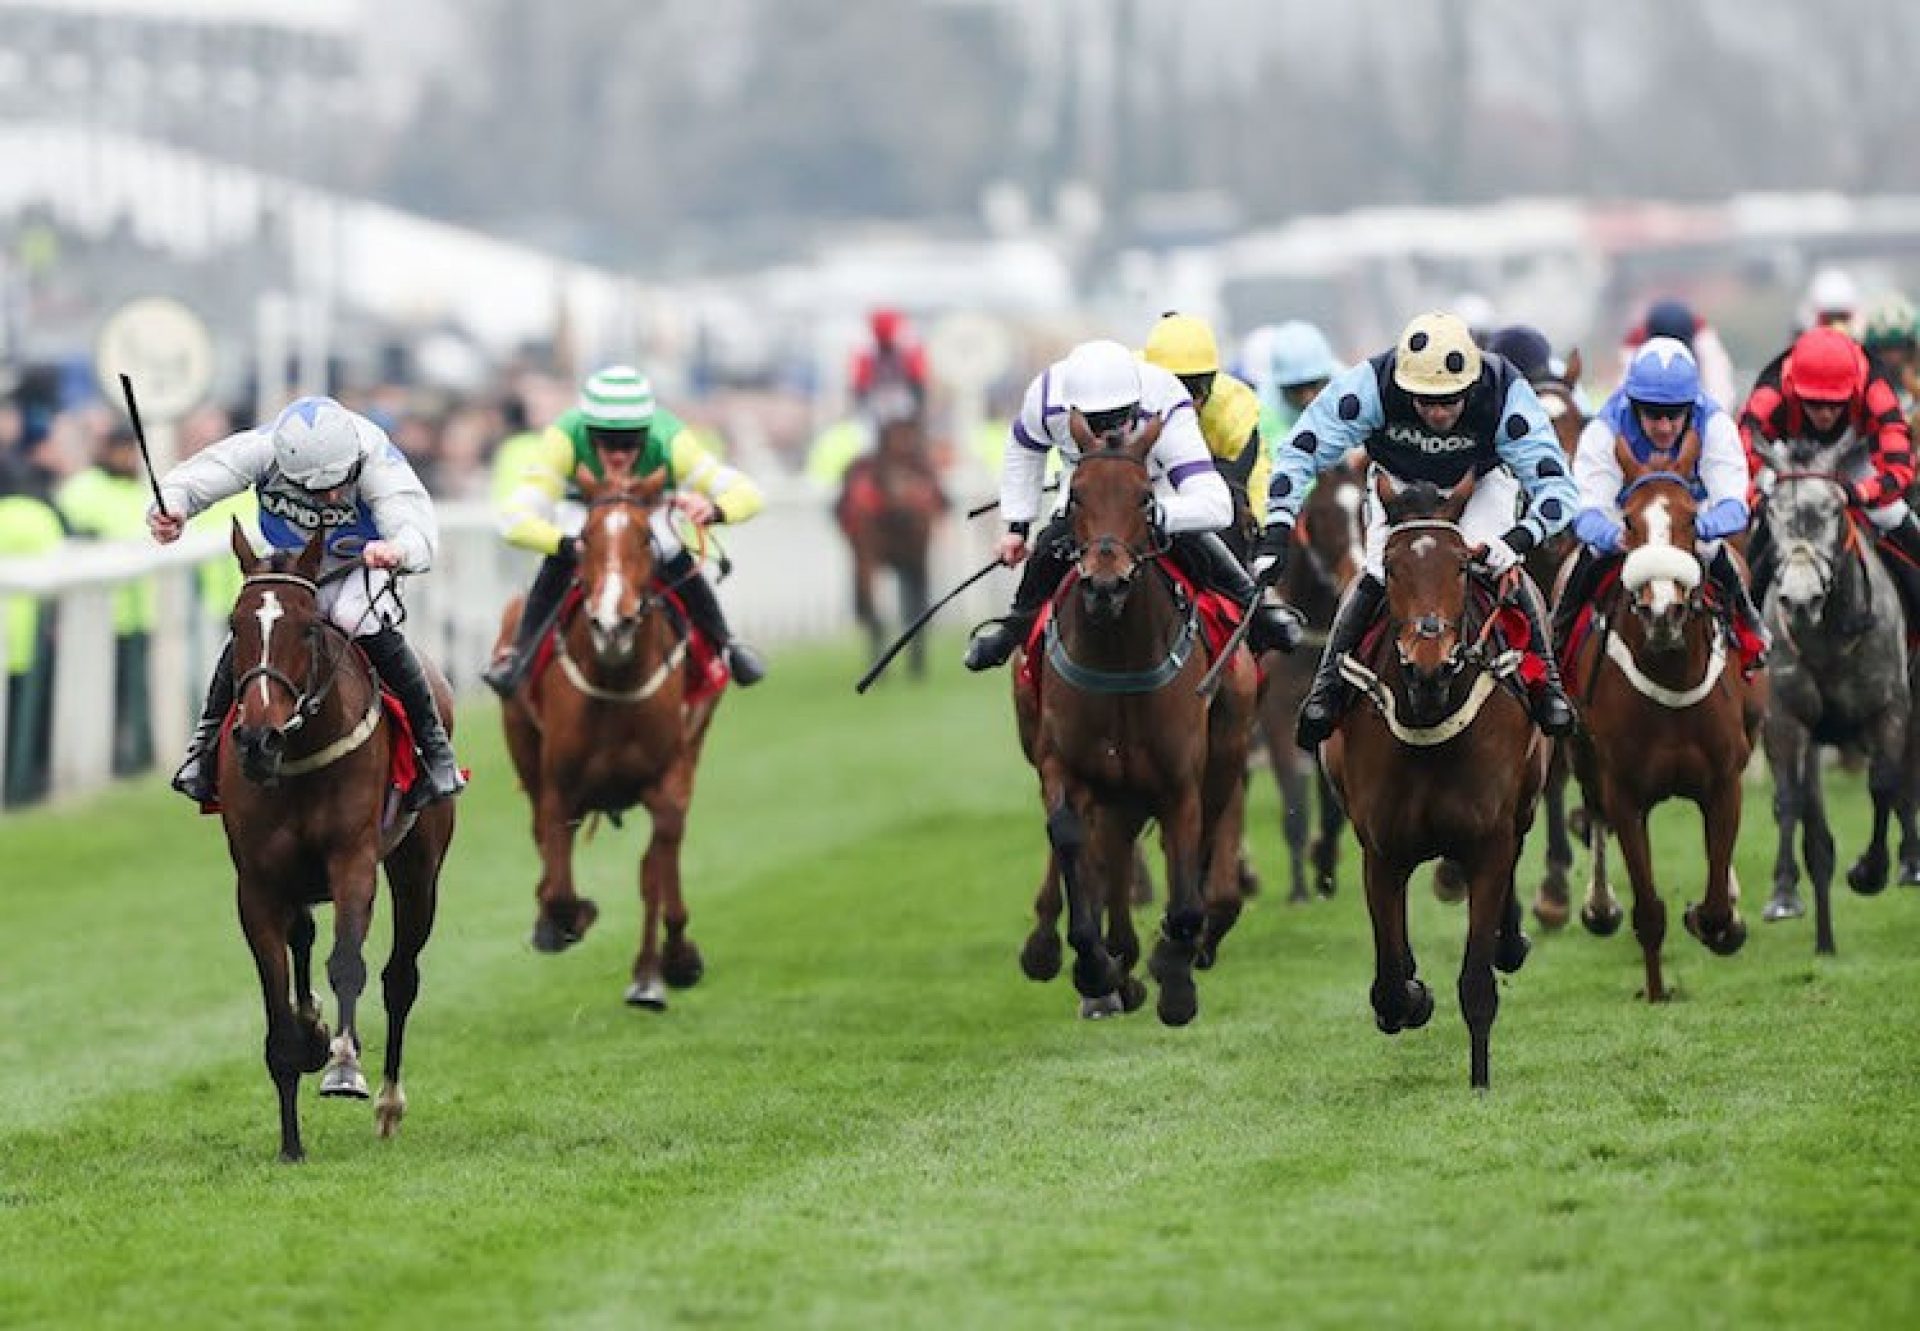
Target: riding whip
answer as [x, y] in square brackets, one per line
[886, 657]
[140, 437]
[1211, 680]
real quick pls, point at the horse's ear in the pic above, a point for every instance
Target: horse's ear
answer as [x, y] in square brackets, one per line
[1455, 504]
[587, 483]
[647, 488]
[1355, 461]
[308, 564]
[1081, 432]
[1688, 460]
[243, 547]
[1146, 437]
[1385, 487]
[1571, 375]
[1630, 468]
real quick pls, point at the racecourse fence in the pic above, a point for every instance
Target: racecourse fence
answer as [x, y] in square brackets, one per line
[68, 727]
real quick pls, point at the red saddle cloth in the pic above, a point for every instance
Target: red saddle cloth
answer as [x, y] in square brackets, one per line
[1747, 644]
[403, 764]
[1219, 617]
[1510, 633]
[706, 666]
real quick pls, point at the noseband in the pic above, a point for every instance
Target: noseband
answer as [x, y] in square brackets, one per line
[309, 698]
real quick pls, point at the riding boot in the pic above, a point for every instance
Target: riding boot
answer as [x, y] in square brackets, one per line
[198, 775]
[1725, 574]
[1207, 556]
[744, 663]
[537, 614]
[1903, 543]
[1047, 564]
[1552, 710]
[1582, 581]
[1327, 699]
[401, 671]
[1763, 560]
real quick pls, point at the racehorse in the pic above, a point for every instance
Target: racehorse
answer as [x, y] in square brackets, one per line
[1840, 676]
[1113, 723]
[1560, 396]
[305, 800]
[1444, 762]
[1326, 558]
[887, 508]
[1663, 715]
[610, 725]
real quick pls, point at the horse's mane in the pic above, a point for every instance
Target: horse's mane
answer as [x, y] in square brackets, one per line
[1417, 499]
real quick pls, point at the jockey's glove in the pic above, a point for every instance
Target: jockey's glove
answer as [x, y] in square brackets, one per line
[1498, 556]
[1723, 518]
[1270, 554]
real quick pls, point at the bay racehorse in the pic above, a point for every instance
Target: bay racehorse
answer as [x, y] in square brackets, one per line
[1840, 676]
[1112, 722]
[1328, 549]
[310, 815]
[1665, 713]
[609, 725]
[1441, 760]
[887, 508]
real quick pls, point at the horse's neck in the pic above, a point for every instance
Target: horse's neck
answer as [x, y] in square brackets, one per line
[1139, 637]
[348, 698]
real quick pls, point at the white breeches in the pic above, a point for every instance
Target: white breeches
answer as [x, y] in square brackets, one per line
[1491, 513]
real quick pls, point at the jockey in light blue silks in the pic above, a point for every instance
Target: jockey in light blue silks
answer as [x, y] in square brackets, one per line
[1660, 403]
[321, 468]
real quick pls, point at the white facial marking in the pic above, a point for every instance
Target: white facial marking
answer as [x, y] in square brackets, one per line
[268, 612]
[1659, 523]
[1349, 498]
[1421, 545]
[607, 610]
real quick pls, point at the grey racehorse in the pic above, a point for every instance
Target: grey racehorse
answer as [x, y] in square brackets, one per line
[1840, 676]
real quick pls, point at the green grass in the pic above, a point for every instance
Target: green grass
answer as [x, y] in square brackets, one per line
[864, 1116]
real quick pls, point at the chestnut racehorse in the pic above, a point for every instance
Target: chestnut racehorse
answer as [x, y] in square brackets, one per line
[887, 509]
[305, 800]
[1119, 734]
[1665, 714]
[608, 726]
[1441, 760]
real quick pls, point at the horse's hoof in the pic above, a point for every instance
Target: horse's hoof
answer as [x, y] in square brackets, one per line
[1910, 871]
[1326, 884]
[557, 935]
[1722, 942]
[1419, 1004]
[1098, 1009]
[1179, 1003]
[649, 994]
[1783, 906]
[1579, 823]
[1867, 877]
[1133, 994]
[1551, 913]
[316, 1047]
[681, 965]
[1602, 924]
[293, 1157]
[1040, 956]
[1095, 977]
[344, 1081]
[1510, 952]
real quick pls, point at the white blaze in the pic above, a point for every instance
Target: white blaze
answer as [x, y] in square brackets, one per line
[607, 610]
[268, 612]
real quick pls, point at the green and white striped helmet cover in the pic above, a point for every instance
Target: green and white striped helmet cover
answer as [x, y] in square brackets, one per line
[617, 398]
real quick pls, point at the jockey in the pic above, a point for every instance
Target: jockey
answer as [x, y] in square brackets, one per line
[1184, 347]
[1676, 319]
[1112, 390]
[1652, 412]
[618, 430]
[322, 468]
[889, 376]
[1890, 339]
[1431, 408]
[1823, 389]
[1832, 301]
[1301, 364]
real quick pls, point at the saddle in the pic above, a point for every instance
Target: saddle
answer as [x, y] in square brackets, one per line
[706, 665]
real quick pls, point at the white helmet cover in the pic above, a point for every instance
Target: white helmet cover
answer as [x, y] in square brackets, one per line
[1100, 376]
[315, 443]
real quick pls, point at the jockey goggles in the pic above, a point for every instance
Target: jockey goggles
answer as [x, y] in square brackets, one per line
[1663, 411]
[617, 441]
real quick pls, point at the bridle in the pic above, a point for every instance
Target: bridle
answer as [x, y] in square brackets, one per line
[1430, 627]
[310, 697]
[1077, 551]
[1824, 564]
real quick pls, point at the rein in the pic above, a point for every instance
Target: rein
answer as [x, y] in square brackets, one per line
[651, 600]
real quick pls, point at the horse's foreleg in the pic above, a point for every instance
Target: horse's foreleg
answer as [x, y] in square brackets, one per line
[1068, 815]
[913, 602]
[680, 963]
[564, 916]
[1333, 822]
[1179, 943]
[413, 878]
[1551, 905]
[1649, 912]
[300, 942]
[352, 880]
[1786, 743]
[1040, 955]
[1296, 809]
[1600, 913]
[1401, 1001]
[1110, 865]
[1868, 874]
[1223, 831]
[1490, 905]
[1714, 921]
[290, 1049]
[1816, 843]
